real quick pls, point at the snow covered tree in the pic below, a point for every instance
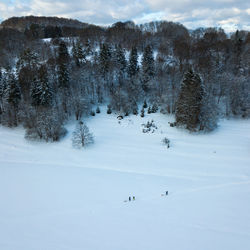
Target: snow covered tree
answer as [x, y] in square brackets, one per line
[63, 54]
[48, 126]
[63, 76]
[208, 117]
[105, 59]
[81, 136]
[78, 53]
[142, 112]
[12, 91]
[145, 105]
[98, 111]
[120, 59]
[189, 102]
[27, 59]
[41, 92]
[26, 69]
[11, 97]
[87, 50]
[148, 68]
[63, 59]
[133, 67]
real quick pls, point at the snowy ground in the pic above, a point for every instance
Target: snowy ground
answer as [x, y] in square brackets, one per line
[55, 197]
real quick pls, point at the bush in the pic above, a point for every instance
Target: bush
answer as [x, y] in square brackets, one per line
[109, 110]
[149, 110]
[149, 127]
[154, 108]
[135, 111]
[172, 124]
[98, 111]
[48, 126]
[166, 142]
[142, 112]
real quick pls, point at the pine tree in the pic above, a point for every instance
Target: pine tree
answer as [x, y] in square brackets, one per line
[237, 52]
[75, 55]
[142, 112]
[1, 85]
[148, 68]
[105, 59]
[27, 59]
[41, 92]
[133, 67]
[63, 54]
[78, 53]
[98, 111]
[12, 91]
[63, 76]
[62, 71]
[209, 112]
[189, 102]
[87, 48]
[35, 92]
[120, 59]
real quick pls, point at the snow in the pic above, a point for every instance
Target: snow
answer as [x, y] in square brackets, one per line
[55, 197]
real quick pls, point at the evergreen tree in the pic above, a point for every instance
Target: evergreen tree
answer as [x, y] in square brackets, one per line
[12, 92]
[35, 92]
[75, 56]
[87, 48]
[63, 76]
[237, 52]
[1, 91]
[133, 67]
[209, 112]
[145, 105]
[105, 59]
[120, 59]
[62, 71]
[41, 92]
[189, 102]
[148, 68]
[78, 53]
[98, 111]
[27, 59]
[142, 112]
[63, 54]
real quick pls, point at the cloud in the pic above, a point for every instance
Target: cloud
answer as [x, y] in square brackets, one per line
[228, 14]
[99, 12]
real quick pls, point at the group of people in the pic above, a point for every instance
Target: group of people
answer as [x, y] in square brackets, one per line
[133, 197]
[129, 198]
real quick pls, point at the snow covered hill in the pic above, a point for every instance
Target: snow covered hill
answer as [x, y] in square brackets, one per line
[55, 197]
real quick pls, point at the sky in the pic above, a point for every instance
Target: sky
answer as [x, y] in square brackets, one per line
[228, 14]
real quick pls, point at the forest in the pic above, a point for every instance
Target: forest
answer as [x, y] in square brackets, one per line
[56, 69]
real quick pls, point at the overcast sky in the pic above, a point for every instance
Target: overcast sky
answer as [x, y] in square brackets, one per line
[228, 14]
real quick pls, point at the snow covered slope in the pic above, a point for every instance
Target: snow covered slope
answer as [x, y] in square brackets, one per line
[55, 197]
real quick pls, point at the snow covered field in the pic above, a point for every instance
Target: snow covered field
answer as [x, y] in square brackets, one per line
[55, 197]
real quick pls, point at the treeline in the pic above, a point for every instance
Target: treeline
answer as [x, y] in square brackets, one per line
[198, 76]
